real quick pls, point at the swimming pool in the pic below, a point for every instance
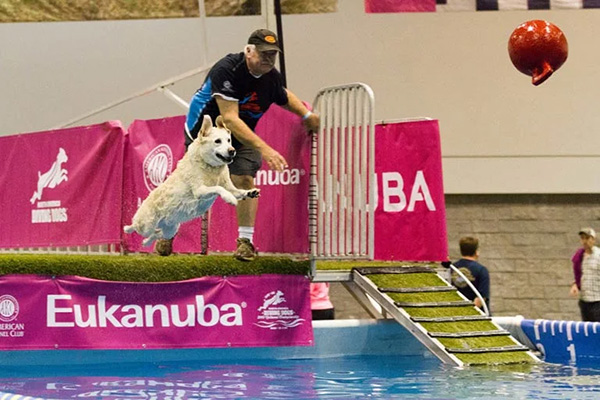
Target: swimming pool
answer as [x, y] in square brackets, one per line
[381, 361]
[386, 377]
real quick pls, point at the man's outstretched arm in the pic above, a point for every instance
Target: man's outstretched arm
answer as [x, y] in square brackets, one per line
[310, 119]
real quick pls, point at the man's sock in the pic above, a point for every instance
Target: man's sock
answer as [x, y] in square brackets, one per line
[246, 232]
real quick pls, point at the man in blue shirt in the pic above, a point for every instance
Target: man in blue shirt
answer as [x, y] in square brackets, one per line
[477, 274]
[241, 87]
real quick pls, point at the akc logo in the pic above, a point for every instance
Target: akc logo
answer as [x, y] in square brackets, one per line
[9, 308]
[158, 165]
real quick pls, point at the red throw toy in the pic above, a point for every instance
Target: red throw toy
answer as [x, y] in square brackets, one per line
[538, 48]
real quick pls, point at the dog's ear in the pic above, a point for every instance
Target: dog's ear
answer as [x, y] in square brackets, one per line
[206, 126]
[221, 122]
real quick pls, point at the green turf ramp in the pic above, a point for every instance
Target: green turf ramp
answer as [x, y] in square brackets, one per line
[439, 316]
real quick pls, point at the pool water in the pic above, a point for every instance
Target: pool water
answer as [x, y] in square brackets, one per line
[388, 377]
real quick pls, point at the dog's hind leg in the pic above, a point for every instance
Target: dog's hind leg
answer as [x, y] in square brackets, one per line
[148, 241]
[157, 234]
[167, 230]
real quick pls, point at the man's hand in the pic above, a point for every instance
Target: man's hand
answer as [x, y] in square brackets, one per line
[274, 159]
[312, 123]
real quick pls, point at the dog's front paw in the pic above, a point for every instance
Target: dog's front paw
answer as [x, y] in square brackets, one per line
[230, 199]
[253, 193]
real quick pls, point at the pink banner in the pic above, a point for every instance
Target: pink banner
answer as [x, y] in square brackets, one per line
[282, 218]
[62, 187]
[391, 6]
[71, 312]
[151, 153]
[410, 219]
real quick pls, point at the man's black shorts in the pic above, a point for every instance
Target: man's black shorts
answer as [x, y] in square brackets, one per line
[247, 161]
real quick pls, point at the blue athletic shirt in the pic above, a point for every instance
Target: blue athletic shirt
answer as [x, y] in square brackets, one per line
[231, 79]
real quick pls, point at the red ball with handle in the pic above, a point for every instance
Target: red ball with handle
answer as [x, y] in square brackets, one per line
[538, 48]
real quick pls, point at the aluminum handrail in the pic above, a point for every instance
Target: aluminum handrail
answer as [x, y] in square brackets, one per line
[471, 286]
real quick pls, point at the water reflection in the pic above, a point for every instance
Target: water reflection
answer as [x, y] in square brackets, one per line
[346, 378]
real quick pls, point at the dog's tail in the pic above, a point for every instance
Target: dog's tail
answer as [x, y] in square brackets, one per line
[128, 229]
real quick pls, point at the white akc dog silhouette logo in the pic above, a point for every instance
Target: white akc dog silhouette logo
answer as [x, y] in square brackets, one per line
[54, 177]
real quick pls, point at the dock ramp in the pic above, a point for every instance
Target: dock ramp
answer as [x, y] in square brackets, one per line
[439, 316]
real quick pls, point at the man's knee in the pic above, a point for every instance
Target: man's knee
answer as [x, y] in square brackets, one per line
[243, 181]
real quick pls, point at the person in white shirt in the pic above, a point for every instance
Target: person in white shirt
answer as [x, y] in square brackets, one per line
[586, 268]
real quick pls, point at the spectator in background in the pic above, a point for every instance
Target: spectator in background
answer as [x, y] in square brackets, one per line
[321, 306]
[586, 268]
[477, 274]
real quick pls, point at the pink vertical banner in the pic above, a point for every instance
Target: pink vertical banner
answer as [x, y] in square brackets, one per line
[62, 187]
[393, 6]
[410, 219]
[70, 312]
[152, 151]
[282, 218]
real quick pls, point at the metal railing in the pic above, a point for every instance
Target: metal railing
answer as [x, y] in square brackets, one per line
[470, 284]
[342, 175]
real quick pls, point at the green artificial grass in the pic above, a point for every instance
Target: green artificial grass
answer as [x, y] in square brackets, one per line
[425, 297]
[345, 265]
[146, 268]
[434, 312]
[508, 357]
[427, 279]
[477, 342]
[406, 280]
[459, 326]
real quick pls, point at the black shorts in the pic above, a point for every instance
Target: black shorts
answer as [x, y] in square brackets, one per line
[247, 161]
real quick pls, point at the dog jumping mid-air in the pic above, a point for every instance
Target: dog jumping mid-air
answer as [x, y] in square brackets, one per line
[201, 175]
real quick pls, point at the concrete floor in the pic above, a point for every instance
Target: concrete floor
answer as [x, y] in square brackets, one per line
[346, 307]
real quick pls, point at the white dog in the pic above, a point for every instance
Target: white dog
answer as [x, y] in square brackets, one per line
[201, 175]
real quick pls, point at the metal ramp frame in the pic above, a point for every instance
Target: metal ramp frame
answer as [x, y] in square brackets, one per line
[366, 292]
[404, 319]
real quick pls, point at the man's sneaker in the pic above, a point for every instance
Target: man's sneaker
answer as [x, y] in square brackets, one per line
[245, 250]
[164, 247]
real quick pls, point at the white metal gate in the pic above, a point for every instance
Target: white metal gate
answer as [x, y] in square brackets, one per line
[342, 175]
